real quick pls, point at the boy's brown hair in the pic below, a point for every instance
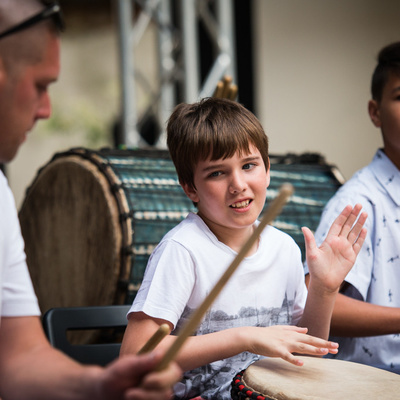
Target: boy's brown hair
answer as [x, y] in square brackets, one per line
[212, 128]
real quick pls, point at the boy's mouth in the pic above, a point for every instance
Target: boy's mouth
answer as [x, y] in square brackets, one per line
[241, 204]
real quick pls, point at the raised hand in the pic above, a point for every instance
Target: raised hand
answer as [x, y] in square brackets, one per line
[330, 263]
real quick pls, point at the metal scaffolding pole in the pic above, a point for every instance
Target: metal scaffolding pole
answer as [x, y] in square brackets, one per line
[178, 57]
[166, 67]
[128, 123]
[190, 51]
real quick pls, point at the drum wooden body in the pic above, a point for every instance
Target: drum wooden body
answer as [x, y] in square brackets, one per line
[90, 219]
[317, 379]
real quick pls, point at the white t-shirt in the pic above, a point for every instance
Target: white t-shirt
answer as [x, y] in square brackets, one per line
[376, 272]
[17, 297]
[267, 289]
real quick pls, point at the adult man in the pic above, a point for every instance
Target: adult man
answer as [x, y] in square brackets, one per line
[29, 367]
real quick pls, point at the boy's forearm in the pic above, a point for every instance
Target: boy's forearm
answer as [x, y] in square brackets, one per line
[204, 349]
[198, 350]
[318, 312]
[355, 318]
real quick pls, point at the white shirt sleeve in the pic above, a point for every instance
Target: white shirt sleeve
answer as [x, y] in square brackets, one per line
[17, 293]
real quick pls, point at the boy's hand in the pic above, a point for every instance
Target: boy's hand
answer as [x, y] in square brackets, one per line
[330, 263]
[284, 341]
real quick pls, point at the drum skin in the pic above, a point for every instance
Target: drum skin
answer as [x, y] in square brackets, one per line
[318, 378]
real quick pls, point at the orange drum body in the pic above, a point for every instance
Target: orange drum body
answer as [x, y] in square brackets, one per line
[317, 379]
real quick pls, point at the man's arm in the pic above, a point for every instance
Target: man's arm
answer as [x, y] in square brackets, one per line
[31, 369]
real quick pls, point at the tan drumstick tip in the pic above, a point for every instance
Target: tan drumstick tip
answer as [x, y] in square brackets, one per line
[233, 92]
[152, 343]
[272, 211]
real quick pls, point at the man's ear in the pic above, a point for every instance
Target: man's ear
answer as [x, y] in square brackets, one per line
[374, 113]
[190, 192]
[3, 73]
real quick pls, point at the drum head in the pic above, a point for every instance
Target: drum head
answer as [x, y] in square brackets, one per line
[70, 209]
[317, 379]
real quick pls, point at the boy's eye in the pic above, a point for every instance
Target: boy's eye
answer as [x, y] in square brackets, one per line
[248, 166]
[215, 174]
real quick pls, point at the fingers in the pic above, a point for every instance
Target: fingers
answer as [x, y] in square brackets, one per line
[162, 379]
[135, 377]
[351, 219]
[156, 385]
[308, 239]
[349, 223]
[360, 241]
[358, 232]
[287, 341]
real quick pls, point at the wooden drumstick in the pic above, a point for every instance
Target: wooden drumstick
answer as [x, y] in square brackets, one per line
[151, 344]
[272, 211]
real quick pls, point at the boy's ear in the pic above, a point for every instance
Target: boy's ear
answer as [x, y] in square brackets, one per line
[268, 176]
[269, 172]
[374, 113]
[190, 192]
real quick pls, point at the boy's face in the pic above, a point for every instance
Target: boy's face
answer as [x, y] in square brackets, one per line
[230, 193]
[386, 116]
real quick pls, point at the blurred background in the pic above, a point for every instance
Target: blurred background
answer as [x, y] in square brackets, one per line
[302, 66]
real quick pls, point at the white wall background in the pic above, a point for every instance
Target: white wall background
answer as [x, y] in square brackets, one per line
[314, 60]
[314, 64]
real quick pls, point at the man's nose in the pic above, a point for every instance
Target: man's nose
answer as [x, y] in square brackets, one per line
[44, 110]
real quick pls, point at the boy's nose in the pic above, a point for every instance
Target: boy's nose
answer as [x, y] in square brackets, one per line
[237, 184]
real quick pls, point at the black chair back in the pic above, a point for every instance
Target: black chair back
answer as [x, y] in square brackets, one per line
[58, 321]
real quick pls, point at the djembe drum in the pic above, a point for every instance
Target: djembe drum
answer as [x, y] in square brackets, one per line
[90, 219]
[317, 379]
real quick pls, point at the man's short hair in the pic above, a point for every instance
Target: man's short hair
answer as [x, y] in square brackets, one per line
[212, 128]
[25, 46]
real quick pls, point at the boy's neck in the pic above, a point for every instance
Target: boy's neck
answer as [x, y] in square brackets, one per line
[233, 238]
[393, 155]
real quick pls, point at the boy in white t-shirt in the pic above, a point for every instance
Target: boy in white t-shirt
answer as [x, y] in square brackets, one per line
[220, 152]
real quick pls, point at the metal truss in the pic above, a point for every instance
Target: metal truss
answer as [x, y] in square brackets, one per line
[178, 55]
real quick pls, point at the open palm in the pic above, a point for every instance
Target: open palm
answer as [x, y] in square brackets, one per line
[330, 263]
